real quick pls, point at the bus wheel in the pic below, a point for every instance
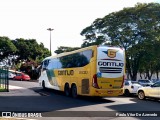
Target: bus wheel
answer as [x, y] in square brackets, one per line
[43, 85]
[74, 91]
[67, 90]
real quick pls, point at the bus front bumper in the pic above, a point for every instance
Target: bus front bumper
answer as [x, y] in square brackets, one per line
[108, 92]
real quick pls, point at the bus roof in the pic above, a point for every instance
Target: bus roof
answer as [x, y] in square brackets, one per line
[75, 51]
[71, 52]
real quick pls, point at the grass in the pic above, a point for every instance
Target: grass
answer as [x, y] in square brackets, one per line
[2, 89]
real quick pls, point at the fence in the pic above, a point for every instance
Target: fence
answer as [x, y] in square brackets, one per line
[4, 81]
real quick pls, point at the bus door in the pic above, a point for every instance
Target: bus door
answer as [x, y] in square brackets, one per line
[43, 69]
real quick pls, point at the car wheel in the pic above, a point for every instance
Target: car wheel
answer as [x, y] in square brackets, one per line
[141, 95]
[43, 85]
[67, 90]
[74, 91]
[126, 92]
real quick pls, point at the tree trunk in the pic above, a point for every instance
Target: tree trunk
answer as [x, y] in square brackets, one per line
[133, 67]
[157, 74]
[128, 67]
[140, 75]
[149, 76]
[134, 77]
[146, 75]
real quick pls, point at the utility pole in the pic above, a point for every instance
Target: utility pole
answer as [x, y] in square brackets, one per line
[50, 29]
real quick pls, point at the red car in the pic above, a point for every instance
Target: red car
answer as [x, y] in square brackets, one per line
[21, 76]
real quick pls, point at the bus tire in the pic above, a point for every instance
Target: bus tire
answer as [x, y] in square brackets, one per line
[43, 85]
[74, 91]
[67, 89]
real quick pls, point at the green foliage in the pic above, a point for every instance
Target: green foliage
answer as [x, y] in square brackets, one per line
[29, 68]
[30, 50]
[62, 49]
[150, 62]
[137, 29]
[7, 48]
[22, 50]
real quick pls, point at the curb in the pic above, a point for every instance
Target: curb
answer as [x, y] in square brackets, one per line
[19, 91]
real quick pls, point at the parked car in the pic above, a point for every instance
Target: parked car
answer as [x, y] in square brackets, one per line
[21, 76]
[11, 74]
[130, 87]
[155, 80]
[149, 91]
[145, 82]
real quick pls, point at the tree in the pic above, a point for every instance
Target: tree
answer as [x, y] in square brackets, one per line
[62, 49]
[7, 48]
[150, 62]
[132, 28]
[44, 53]
[29, 55]
[30, 50]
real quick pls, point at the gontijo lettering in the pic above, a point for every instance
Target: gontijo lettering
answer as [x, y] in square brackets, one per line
[114, 64]
[65, 72]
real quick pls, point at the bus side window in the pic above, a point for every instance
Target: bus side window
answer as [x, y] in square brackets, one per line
[45, 64]
[69, 65]
[52, 64]
[59, 64]
[79, 64]
[87, 55]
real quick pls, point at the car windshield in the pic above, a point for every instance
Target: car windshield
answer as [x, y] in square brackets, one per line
[144, 81]
[127, 82]
[134, 82]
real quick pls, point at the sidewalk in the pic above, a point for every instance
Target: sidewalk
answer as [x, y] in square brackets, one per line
[19, 91]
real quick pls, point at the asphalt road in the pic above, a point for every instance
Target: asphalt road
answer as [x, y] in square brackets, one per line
[50, 101]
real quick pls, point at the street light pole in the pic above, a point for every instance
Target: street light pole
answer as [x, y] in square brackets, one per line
[50, 29]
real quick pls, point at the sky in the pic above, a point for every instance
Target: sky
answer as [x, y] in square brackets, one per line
[30, 19]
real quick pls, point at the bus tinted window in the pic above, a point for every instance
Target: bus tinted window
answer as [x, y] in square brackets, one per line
[76, 60]
[88, 54]
[45, 63]
[65, 60]
[59, 64]
[52, 64]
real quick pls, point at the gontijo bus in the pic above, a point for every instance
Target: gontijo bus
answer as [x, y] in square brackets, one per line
[90, 71]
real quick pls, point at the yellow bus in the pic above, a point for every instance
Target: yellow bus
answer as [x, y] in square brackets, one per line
[90, 71]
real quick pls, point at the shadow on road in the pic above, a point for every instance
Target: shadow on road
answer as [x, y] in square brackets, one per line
[50, 100]
[53, 93]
